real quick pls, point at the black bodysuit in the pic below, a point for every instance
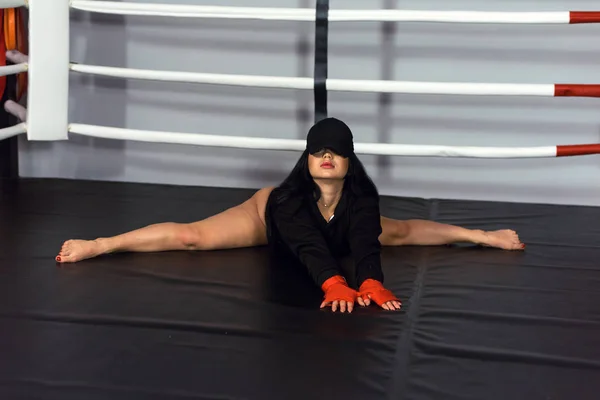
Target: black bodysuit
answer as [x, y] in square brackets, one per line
[297, 227]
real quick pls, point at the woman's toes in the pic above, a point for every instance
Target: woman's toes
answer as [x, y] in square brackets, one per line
[77, 250]
[65, 253]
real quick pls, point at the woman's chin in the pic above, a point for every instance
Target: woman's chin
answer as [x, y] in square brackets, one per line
[328, 176]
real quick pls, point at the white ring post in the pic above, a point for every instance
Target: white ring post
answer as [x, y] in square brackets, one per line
[48, 95]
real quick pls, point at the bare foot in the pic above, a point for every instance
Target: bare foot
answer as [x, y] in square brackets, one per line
[503, 239]
[77, 250]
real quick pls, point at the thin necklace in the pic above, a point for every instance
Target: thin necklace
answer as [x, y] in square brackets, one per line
[325, 205]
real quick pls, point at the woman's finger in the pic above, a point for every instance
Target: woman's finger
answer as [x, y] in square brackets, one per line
[350, 306]
[343, 306]
[397, 304]
[367, 299]
[334, 306]
[360, 301]
[385, 306]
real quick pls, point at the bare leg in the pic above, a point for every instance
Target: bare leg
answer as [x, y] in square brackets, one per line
[239, 226]
[424, 232]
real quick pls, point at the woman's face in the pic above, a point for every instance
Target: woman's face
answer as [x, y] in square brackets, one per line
[327, 165]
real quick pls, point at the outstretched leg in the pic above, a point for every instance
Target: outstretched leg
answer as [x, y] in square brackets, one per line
[424, 232]
[239, 226]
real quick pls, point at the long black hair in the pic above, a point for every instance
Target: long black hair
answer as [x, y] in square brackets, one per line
[299, 182]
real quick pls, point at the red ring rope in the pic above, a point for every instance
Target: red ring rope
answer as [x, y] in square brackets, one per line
[23, 48]
[2, 55]
[577, 150]
[569, 90]
[584, 17]
[15, 38]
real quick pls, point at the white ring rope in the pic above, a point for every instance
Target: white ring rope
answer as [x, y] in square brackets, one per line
[13, 69]
[11, 131]
[308, 14]
[16, 109]
[17, 57]
[299, 145]
[51, 20]
[196, 77]
[377, 86]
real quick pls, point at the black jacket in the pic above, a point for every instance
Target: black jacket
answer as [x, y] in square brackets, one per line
[297, 226]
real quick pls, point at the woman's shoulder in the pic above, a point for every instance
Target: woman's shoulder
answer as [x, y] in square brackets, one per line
[287, 201]
[362, 201]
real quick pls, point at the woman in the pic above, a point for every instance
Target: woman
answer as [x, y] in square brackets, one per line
[326, 208]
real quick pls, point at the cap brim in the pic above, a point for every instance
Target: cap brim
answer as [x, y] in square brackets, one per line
[316, 149]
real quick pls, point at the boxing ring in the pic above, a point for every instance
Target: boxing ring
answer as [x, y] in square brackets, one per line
[476, 323]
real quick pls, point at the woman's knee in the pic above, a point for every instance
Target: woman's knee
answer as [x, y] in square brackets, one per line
[192, 238]
[394, 232]
[260, 199]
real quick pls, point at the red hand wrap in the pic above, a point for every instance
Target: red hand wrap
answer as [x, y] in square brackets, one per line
[379, 294]
[336, 288]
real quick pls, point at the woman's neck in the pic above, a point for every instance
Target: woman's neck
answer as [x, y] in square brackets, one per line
[331, 192]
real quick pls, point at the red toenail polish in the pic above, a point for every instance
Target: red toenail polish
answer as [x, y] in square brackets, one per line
[57, 258]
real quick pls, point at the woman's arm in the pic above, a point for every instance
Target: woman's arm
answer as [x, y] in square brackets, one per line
[299, 234]
[364, 231]
[296, 228]
[363, 236]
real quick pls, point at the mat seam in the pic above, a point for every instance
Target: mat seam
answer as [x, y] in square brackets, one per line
[403, 358]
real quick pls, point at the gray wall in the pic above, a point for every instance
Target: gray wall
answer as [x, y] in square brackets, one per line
[431, 52]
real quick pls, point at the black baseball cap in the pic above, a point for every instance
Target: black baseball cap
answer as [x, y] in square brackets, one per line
[330, 133]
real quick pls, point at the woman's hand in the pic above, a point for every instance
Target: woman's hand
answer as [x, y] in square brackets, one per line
[337, 292]
[374, 290]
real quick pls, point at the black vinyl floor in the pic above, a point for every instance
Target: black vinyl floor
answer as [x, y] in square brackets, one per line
[477, 323]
